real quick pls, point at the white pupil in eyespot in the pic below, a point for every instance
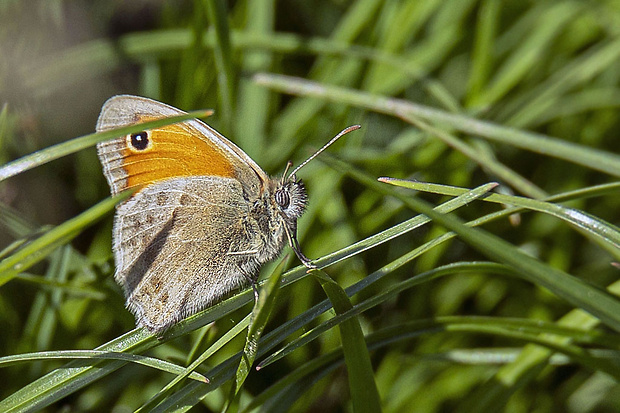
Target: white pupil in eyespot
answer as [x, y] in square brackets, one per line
[139, 140]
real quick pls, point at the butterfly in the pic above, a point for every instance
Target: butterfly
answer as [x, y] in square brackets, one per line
[204, 216]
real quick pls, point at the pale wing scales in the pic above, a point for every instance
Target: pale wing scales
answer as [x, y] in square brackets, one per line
[173, 244]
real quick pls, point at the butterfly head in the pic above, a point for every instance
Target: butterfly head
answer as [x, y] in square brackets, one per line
[288, 201]
[291, 198]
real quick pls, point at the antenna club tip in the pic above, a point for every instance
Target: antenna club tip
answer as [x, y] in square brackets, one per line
[351, 128]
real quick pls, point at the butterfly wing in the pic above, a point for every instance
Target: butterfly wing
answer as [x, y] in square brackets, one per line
[185, 238]
[190, 148]
[177, 247]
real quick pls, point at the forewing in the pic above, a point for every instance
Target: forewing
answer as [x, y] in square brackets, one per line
[190, 148]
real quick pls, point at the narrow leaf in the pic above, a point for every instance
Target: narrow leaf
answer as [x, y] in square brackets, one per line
[51, 153]
[38, 249]
[364, 393]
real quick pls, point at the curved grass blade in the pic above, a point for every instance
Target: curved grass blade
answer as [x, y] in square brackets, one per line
[450, 269]
[361, 177]
[192, 394]
[72, 376]
[296, 323]
[51, 153]
[577, 292]
[384, 296]
[68, 379]
[226, 338]
[595, 159]
[77, 374]
[403, 227]
[258, 320]
[532, 360]
[99, 355]
[535, 355]
[520, 329]
[38, 249]
[596, 227]
[364, 393]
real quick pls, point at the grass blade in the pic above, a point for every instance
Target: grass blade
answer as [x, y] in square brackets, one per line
[38, 249]
[77, 144]
[258, 320]
[595, 159]
[599, 303]
[99, 355]
[364, 393]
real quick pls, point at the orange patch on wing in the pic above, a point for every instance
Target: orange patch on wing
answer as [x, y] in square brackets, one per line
[174, 151]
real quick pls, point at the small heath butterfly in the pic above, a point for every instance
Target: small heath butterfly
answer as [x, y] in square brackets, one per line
[204, 216]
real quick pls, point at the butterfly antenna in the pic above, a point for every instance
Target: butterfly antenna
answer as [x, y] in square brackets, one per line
[327, 145]
[288, 166]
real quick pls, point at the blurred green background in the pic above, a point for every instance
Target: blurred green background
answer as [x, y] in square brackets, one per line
[551, 67]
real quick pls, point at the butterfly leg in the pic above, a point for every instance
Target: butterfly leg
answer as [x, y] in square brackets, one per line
[292, 240]
[251, 280]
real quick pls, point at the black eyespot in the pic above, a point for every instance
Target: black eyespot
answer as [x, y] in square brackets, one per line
[140, 140]
[282, 198]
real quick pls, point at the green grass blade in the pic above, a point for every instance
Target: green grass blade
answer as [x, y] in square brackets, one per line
[596, 228]
[364, 393]
[77, 144]
[258, 320]
[579, 293]
[525, 330]
[99, 355]
[391, 293]
[38, 249]
[216, 12]
[192, 394]
[67, 379]
[595, 159]
[75, 375]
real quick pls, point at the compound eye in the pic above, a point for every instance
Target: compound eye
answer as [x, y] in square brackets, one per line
[282, 198]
